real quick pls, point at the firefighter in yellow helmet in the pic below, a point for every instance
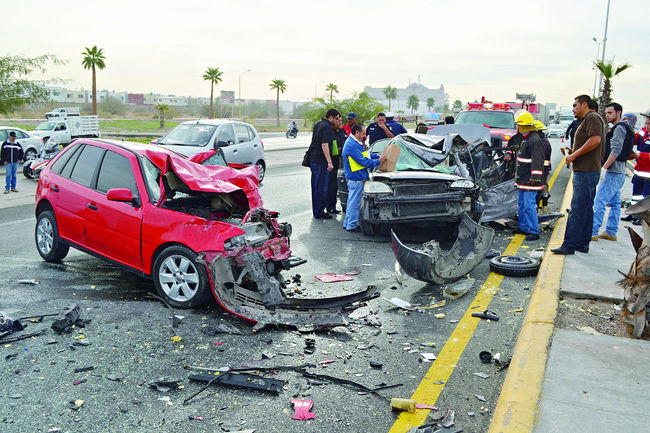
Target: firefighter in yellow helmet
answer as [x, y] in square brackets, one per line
[529, 177]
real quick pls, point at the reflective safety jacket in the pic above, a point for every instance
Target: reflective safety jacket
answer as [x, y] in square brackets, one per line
[530, 163]
[642, 166]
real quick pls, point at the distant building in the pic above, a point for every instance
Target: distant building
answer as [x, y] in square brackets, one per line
[135, 98]
[62, 95]
[422, 92]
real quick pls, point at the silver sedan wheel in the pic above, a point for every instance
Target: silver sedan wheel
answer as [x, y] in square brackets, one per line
[260, 168]
[178, 278]
[45, 236]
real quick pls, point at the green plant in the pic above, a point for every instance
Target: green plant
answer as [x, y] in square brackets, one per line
[213, 75]
[413, 103]
[94, 59]
[332, 88]
[609, 71]
[279, 86]
[390, 93]
[430, 103]
[113, 106]
[15, 88]
[161, 108]
[458, 104]
[364, 106]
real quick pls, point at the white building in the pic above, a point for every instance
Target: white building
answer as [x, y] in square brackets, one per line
[400, 103]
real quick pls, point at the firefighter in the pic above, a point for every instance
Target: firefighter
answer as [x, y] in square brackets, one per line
[529, 177]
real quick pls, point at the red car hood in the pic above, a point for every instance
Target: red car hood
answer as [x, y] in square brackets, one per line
[216, 179]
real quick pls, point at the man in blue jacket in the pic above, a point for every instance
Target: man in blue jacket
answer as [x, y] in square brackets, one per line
[356, 162]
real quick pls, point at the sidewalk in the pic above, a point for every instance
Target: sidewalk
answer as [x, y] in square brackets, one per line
[564, 380]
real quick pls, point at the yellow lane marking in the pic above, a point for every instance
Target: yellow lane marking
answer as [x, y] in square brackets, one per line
[433, 383]
[556, 173]
[438, 374]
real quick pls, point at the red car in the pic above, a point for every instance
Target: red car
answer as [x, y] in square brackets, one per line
[195, 229]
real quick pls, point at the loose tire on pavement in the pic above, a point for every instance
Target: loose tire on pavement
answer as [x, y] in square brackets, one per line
[28, 172]
[179, 279]
[514, 266]
[48, 243]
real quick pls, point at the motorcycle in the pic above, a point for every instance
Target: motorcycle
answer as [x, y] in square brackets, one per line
[32, 168]
[292, 132]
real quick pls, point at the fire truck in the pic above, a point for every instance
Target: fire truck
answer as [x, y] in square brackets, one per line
[499, 117]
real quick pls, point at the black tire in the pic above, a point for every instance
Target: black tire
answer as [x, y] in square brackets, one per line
[184, 289]
[262, 169]
[514, 266]
[287, 134]
[28, 172]
[46, 234]
[30, 154]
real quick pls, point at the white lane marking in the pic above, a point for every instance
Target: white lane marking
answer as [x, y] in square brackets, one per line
[17, 221]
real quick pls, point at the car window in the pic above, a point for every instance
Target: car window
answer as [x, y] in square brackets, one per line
[58, 165]
[3, 134]
[216, 159]
[87, 162]
[226, 134]
[21, 134]
[60, 127]
[251, 132]
[493, 119]
[151, 174]
[67, 170]
[242, 133]
[193, 134]
[116, 172]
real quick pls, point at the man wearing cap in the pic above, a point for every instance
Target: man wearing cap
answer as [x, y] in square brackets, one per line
[609, 189]
[395, 127]
[586, 157]
[378, 129]
[529, 177]
[352, 120]
[10, 155]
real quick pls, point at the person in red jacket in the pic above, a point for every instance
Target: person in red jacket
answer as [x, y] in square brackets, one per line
[641, 179]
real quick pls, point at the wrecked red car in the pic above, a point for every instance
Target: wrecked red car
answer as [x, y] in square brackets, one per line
[196, 230]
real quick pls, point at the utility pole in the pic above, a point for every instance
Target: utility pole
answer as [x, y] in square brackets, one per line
[602, 59]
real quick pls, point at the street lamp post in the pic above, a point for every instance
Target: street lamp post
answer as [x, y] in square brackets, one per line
[602, 59]
[248, 70]
[316, 86]
[594, 67]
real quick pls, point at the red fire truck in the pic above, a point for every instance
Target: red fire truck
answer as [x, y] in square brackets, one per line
[499, 117]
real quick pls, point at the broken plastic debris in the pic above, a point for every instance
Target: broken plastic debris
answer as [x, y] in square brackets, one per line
[492, 253]
[428, 356]
[76, 404]
[403, 404]
[9, 325]
[375, 364]
[302, 409]
[177, 339]
[326, 361]
[333, 278]
[399, 303]
[221, 328]
[439, 316]
[33, 282]
[481, 375]
[398, 274]
[457, 290]
[480, 397]
[487, 314]
[366, 264]
[449, 419]
[71, 315]
[425, 406]
[485, 356]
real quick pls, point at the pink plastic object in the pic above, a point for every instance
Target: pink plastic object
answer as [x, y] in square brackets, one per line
[301, 408]
[425, 406]
[333, 278]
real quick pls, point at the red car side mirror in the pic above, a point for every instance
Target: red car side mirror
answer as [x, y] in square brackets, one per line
[119, 194]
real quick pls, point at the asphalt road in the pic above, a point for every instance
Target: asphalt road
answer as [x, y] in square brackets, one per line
[130, 335]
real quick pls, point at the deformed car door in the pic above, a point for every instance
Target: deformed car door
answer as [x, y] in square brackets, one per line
[114, 227]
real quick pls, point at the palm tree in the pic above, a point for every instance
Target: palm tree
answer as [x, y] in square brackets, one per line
[390, 93]
[279, 86]
[213, 75]
[609, 71]
[161, 113]
[430, 103]
[413, 103]
[94, 59]
[333, 88]
[458, 104]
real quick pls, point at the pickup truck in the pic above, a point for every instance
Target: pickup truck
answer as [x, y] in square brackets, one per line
[64, 130]
[63, 112]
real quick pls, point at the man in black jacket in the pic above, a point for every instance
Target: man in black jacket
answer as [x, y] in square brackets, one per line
[11, 154]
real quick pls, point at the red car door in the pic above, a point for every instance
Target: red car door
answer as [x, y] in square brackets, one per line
[68, 191]
[114, 227]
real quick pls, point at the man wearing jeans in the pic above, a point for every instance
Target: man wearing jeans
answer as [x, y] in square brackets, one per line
[356, 162]
[609, 190]
[586, 157]
[320, 161]
[10, 154]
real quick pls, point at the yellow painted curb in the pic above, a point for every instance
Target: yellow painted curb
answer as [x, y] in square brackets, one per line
[516, 408]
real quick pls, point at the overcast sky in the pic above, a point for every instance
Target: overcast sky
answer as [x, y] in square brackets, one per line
[492, 48]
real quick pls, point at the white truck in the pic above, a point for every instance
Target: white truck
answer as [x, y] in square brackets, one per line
[565, 116]
[64, 130]
[63, 112]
